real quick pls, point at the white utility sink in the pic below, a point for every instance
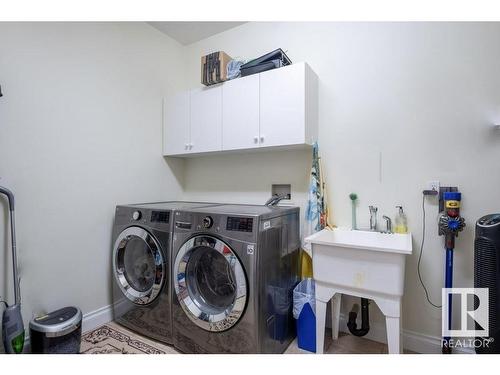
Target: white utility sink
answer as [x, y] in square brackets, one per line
[363, 264]
[367, 240]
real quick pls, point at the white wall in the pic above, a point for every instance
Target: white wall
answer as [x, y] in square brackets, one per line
[420, 94]
[80, 131]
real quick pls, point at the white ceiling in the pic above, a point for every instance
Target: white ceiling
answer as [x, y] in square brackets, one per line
[190, 32]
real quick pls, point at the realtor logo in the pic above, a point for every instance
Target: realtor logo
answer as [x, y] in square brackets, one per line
[474, 320]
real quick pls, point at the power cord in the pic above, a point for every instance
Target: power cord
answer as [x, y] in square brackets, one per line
[420, 256]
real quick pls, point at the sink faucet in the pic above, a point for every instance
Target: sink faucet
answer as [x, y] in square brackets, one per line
[388, 224]
[373, 217]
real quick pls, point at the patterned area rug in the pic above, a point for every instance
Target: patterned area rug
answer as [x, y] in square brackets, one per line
[112, 338]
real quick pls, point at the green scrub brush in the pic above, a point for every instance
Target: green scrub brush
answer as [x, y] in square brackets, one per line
[353, 197]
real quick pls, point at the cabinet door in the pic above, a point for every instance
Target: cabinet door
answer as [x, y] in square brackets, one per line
[240, 113]
[206, 119]
[176, 124]
[282, 106]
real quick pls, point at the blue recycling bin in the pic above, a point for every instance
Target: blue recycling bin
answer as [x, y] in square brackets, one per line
[304, 311]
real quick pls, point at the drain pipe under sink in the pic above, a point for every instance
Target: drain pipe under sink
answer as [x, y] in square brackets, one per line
[365, 319]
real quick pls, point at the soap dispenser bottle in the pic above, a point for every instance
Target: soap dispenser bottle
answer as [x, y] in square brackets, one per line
[401, 223]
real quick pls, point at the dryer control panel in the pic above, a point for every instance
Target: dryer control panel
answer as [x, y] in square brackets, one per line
[160, 216]
[240, 224]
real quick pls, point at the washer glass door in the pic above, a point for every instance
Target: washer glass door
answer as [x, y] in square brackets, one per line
[138, 265]
[210, 283]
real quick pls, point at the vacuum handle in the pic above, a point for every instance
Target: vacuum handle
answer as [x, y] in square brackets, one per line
[9, 195]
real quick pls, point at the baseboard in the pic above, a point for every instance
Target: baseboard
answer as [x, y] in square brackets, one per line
[416, 342]
[96, 318]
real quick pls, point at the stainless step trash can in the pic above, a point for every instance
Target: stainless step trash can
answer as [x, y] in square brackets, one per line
[58, 332]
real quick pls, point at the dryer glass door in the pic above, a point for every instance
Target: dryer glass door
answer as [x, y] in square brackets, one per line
[138, 265]
[210, 283]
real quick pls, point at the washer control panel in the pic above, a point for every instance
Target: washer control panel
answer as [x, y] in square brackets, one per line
[136, 215]
[208, 222]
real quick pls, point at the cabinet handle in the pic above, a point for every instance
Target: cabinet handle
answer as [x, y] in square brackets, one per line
[190, 146]
[185, 146]
[255, 139]
[262, 139]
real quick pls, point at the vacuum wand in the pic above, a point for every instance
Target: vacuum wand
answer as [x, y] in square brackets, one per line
[17, 289]
[450, 223]
[12, 321]
[10, 197]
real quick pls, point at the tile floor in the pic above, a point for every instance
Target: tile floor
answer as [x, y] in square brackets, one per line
[346, 344]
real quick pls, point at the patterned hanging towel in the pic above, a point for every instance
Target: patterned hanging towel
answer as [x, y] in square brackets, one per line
[316, 211]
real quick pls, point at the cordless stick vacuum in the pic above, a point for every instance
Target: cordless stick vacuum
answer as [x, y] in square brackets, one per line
[12, 321]
[450, 223]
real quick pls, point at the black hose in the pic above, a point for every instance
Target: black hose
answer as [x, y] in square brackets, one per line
[365, 320]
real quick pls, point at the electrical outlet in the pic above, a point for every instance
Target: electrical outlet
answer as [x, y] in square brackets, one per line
[433, 185]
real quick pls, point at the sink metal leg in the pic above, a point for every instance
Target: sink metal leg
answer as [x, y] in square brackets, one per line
[336, 315]
[320, 325]
[393, 334]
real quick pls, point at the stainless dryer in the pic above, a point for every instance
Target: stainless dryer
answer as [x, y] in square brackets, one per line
[141, 261]
[234, 270]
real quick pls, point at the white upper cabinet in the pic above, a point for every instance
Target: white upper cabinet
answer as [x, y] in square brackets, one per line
[206, 119]
[240, 113]
[282, 106]
[176, 135]
[277, 108]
